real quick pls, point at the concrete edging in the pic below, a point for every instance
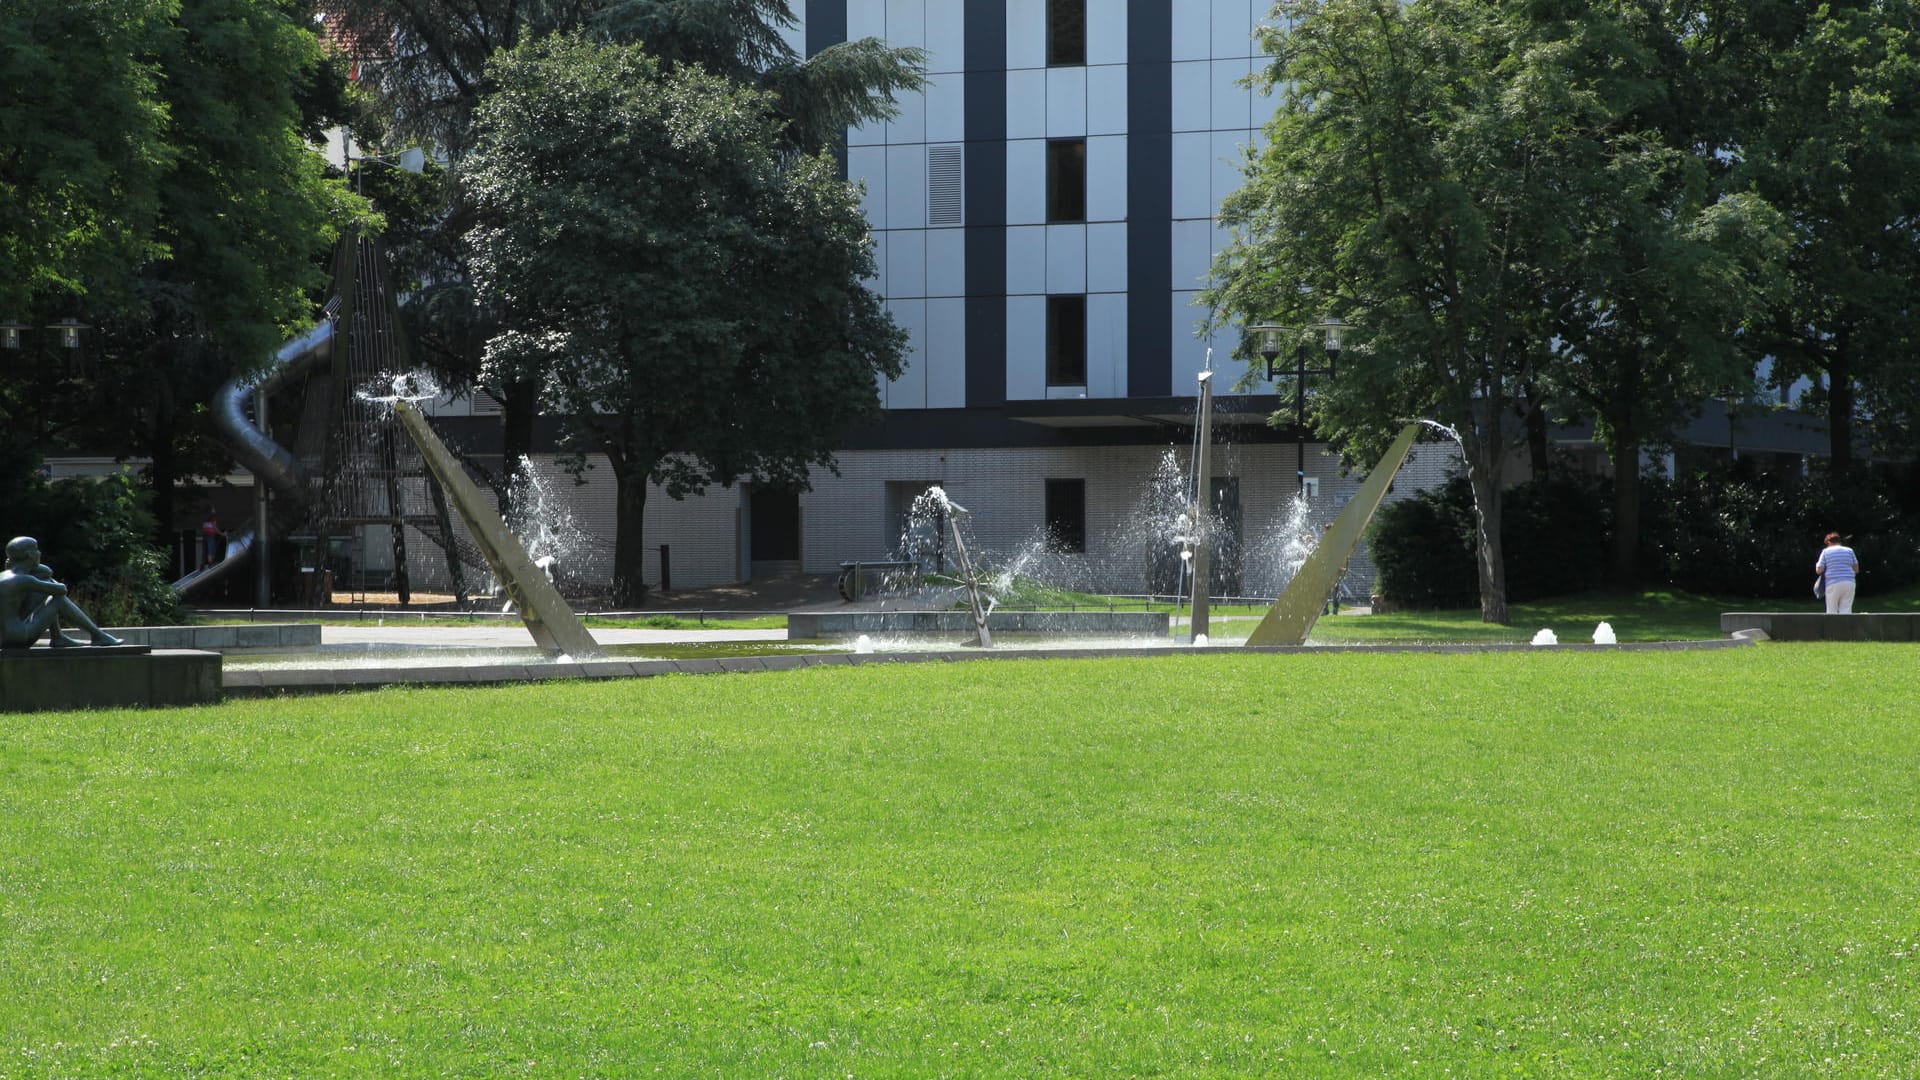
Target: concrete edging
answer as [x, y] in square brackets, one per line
[324, 680]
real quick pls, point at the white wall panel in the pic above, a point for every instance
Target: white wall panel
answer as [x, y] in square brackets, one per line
[946, 108]
[1192, 109]
[868, 165]
[1232, 103]
[911, 125]
[1027, 104]
[909, 391]
[907, 23]
[1192, 252]
[946, 354]
[1106, 31]
[1027, 260]
[1066, 102]
[1026, 348]
[946, 262]
[1226, 152]
[1186, 354]
[1026, 33]
[1107, 345]
[906, 187]
[1107, 100]
[906, 263]
[866, 18]
[1191, 37]
[1026, 182]
[1232, 28]
[1192, 176]
[1107, 258]
[1066, 258]
[871, 133]
[946, 36]
[1107, 178]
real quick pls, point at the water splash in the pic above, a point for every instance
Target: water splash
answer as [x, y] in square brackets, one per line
[385, 388]
[1278, 552]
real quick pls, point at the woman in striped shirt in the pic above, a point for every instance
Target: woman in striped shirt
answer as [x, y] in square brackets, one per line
[1838, 567]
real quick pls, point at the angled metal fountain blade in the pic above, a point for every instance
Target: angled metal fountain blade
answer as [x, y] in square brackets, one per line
[1292, 616]
[552, 623]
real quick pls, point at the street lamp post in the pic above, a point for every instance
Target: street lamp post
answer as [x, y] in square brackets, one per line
[1268, 336]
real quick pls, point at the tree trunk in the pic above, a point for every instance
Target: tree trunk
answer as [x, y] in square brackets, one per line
[1533, 414]
[1840, 408]
[519, 406]
[1483, 476]
[1623, 570]
[162, 468]
[629, 551]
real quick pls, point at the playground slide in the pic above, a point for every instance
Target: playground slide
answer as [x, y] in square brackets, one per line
[239, 546]
[268, 461]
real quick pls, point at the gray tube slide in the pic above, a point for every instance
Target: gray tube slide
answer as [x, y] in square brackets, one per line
[268, 461]
[239, 546]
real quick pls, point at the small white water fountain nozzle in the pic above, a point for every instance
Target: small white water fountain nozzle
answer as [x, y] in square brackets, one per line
[1546, 637]
[1603, 634]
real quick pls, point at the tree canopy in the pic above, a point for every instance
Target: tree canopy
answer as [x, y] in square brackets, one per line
[169, 196]
[1523, 207]
[687, 296]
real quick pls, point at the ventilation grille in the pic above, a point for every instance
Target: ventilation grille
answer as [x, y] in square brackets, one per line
[943, 185]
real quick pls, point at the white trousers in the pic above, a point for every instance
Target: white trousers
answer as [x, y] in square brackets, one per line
[1840, 597]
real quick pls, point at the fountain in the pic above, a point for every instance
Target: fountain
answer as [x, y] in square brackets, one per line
[1292, 616]
[552, 623]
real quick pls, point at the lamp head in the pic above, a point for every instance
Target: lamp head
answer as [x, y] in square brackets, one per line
[1331, 328]
[1266, 338]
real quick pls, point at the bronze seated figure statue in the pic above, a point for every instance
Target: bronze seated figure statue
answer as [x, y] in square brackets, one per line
[33, 603]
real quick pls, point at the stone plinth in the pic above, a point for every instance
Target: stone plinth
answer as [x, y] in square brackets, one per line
[1817, 626]
[846, 624]
[51, 680]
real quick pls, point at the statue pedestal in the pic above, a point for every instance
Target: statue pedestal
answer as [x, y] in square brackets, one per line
[106, 677]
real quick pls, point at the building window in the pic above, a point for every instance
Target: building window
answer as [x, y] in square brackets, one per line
[1066, 341]
[1067, 180]
[1067, 515]
[1066, 33]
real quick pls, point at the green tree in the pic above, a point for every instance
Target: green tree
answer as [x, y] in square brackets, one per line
[1833, 140]
[76, 207]
[689, 296]
[425, 65]
[1406, 186]
[206, 256]
[1665, 266]
[245, 206]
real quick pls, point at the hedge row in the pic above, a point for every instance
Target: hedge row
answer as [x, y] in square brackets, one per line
[1710, 532]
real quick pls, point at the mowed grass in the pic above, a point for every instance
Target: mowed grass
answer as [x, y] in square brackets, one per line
[1698, 864]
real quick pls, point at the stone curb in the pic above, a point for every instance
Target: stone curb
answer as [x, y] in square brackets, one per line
[321, 680]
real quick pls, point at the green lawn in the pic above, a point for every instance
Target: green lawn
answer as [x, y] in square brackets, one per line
[1687, 864]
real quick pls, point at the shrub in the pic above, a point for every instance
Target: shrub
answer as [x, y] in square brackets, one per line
[95, 534]
[1711, 531]
[1553, 532]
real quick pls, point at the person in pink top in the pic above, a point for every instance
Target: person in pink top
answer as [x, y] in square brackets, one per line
[1838, 568]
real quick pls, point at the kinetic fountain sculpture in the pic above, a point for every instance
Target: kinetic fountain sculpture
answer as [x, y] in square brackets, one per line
[552, 623]
[1292, 616]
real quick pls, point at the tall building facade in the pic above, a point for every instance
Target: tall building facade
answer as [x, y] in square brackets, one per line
[1043, 218]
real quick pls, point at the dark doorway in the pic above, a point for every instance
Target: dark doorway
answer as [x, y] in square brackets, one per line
[774, 516]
